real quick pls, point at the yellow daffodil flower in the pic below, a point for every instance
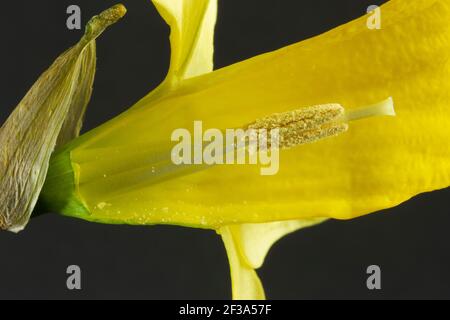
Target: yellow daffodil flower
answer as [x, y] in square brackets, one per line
[121, 172]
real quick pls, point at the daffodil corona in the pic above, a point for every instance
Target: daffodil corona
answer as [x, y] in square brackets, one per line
[122, 172]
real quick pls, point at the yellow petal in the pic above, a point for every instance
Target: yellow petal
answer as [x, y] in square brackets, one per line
[245, 282]
[255, 239]
[379, 163]
[192, 25]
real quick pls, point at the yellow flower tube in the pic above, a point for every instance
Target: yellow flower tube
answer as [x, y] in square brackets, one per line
[121, 172]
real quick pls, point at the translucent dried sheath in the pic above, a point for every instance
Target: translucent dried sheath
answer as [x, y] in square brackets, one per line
[49, 115]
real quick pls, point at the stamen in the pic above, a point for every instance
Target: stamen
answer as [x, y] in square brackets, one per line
[292, 138]
[303, 126]
[311, 124]
[306, 118]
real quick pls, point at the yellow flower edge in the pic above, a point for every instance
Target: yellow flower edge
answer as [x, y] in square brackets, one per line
[378, 164]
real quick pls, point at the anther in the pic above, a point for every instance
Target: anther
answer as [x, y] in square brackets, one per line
[311, 124]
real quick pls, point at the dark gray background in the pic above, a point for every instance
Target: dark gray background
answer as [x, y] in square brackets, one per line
[411, 243]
